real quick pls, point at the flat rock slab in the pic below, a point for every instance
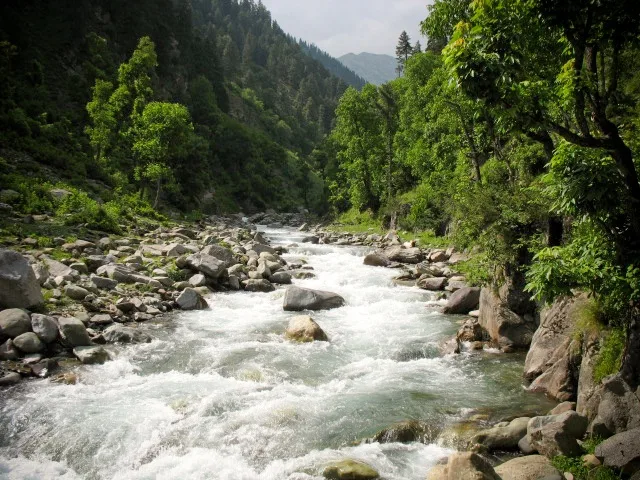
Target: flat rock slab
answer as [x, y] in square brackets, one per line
[297, 299]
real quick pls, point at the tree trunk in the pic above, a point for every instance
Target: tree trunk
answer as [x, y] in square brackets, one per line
[631, 358]
[158, 185]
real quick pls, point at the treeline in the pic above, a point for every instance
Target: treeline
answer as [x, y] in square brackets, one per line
[517, 134]
[202, 104]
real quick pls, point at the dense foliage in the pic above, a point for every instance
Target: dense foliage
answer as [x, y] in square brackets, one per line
[201, 104]
[516, 133]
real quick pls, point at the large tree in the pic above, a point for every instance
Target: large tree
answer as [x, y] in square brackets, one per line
[403, 51]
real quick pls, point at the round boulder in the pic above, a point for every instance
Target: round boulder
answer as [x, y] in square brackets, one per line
[28, 343]
[350, 470]
[305, 329]
[14, 322]
[45, 327]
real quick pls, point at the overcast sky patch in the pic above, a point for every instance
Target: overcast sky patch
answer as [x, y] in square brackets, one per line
[350, 26]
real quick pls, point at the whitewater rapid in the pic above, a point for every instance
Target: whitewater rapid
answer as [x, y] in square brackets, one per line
[220, 394]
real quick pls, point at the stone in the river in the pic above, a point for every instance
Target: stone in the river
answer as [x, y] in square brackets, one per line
[9, 379]
[350, 470]
[190, 299]
[502, 438]
[305, 329]
[8, 351]
[73, 332]
[405, 432]
[463, 301]
[19, 287]
[622, 451]
[433, 284]
[122, 334]
[471, 331]
[206, 264]
[28, 343]
[14, 322]
[281, 278]
[376, 260]
[557, 434]
[297, 299]
[258, 285]
[404, 255]
[532, 467]
[464, 466]
[91, 355]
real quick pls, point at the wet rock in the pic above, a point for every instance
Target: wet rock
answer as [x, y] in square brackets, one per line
[68, 378]
[433, 284]
[502, 438]
[91, 355]
[14, 322]
[28, 343]
[297, 299]
[190, 299]
[75, 292]
[471, 331]
[19, 287]
[258, 285]
[121, 334]
[376, 260]
[622, 451]
[557, 434]
[463, 301]
[305, 329]
[73, 332]
[9, 379]
[314, 240]
[532, 467]
[280, 278]
[350, 470]
[406, 432]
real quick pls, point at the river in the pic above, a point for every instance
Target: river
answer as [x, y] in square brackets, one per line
[220, 394]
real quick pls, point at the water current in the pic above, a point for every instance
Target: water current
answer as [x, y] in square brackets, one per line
[220, 394]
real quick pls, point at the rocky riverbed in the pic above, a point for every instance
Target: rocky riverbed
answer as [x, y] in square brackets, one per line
[185, 352]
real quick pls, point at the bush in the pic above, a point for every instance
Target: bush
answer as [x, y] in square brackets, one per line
[609, 359]
[79, 208]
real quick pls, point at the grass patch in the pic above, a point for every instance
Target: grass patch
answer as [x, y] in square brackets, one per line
[576, 467]
[609, 359]
[355, 221]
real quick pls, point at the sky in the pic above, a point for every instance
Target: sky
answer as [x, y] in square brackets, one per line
[350, 26]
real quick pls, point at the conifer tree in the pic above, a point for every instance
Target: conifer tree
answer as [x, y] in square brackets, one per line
[403, 51]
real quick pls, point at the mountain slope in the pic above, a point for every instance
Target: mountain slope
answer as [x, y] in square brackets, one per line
[374, 68]
[333, 65]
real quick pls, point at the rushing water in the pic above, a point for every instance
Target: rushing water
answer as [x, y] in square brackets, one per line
[220, 394]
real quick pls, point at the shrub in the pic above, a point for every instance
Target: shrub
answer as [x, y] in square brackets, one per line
[79, 208]
[609, 359]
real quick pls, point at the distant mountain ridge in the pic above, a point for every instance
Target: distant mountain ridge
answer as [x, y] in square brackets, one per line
[374, 68]
[335, 66]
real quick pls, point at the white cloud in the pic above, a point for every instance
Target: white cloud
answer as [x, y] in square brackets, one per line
[343, 26]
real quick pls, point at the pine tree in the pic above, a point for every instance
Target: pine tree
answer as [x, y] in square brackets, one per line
[417, 48]
[403, 51]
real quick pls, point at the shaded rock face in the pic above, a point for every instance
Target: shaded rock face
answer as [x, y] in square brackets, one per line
[259, 285]
[553, 361]
[502, 438]
[189, 299]
[557, 434]
[73, 332]
[350, 470]
[616, 407]
[305, 329]
[532, 467]
[509, 329]
[19, 287]
[463, 301]
[297, 299]
[622, 451]
[28, 343]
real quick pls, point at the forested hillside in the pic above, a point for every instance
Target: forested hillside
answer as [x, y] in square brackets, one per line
[516, 134]
[334, 66]
[203, 105]
[374, 68]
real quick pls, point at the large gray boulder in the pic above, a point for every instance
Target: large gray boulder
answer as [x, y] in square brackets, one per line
[281, 278]
[258, 285]
[432, 283]
[28, 343]
[223, 254]
[297, 299]
[502, 438]
[618, 408]
[464, 466]
[73, 332]
[91, 355]
[463, 301]
[532, 467]
[553, 360]
[304, 329]
[622, 451]
[19, 287]
[190, 299]
[402, 254]
[376, 260]
[121, 334]
[508, 328]
[554, 435]
[14, 322]
[206, 264]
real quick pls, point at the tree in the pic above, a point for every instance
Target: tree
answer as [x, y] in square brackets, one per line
[162, 135]
[417, 48]
[403, 51]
